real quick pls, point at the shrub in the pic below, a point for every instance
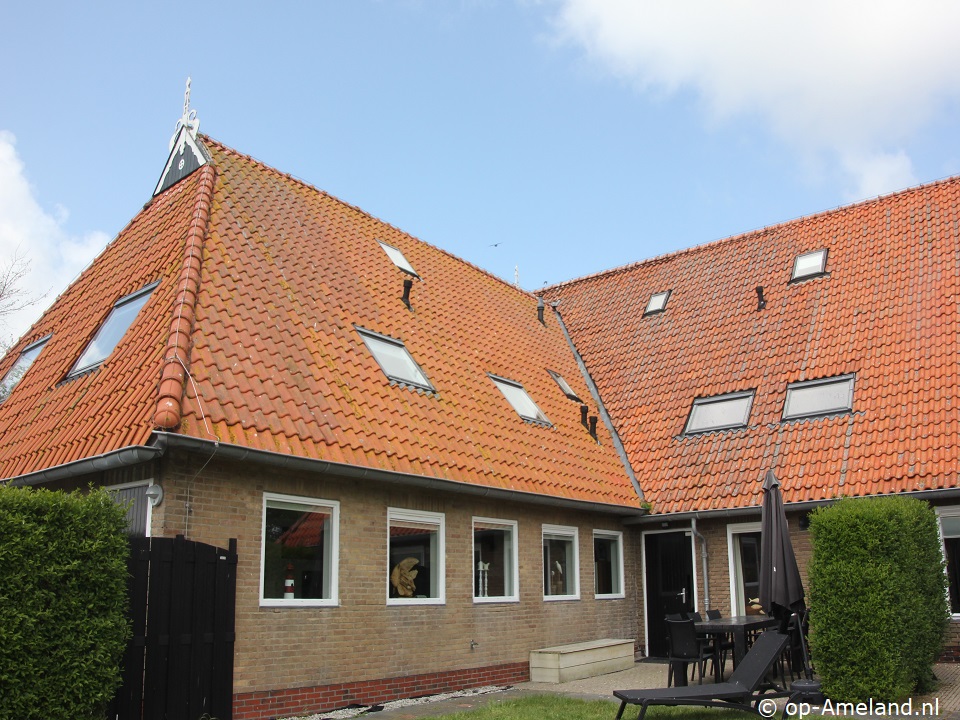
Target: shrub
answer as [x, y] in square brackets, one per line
[63, 596]
[877, 597]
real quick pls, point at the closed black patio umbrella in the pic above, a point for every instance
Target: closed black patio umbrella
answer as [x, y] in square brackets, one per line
[781, 591]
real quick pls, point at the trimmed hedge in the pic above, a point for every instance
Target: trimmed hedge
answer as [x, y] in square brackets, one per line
[63, 597]
[877, 597]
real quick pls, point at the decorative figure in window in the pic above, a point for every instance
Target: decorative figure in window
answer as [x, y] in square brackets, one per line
[556, 578]
[403, 576]
[484, 570]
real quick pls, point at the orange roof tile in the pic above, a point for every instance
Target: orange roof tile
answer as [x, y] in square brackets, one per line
[887, 312]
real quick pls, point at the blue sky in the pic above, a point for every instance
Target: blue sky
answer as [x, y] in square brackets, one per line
[556, 137]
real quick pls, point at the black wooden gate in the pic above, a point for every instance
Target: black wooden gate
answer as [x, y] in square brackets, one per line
[179, 663]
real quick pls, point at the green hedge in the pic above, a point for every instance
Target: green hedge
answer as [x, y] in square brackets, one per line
[63, 597]
[877, 598]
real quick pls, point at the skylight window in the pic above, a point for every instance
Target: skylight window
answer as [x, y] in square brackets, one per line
[567, 390]
[395, 361]
[119, 320]
[829, 396]
[720, 412]
[398, 258]
[519, 400]
[20, 367]
[811, 264]
[657, 303]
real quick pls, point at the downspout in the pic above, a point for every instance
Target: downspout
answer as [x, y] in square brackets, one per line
[704, 557]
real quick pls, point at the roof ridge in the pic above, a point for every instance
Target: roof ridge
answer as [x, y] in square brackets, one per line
[356, 208]
[749, 234]
[177, 353]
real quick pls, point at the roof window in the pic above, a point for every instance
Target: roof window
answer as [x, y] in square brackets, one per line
[394, 359]
[398, 258]
[657, 303]
[119, 320]
[15, 374]
[567, 390]
[520, 400]
[813, 398]
[720, 412]
[811, 264]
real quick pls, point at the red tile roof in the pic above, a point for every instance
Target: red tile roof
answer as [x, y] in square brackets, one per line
[887, 312]
[263, 281]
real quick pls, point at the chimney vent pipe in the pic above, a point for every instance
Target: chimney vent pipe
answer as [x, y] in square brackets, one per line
[540, 311]
[583, 415]
[593, 426]
[407, 286]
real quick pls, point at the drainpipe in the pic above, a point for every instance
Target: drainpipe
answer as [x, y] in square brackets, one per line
[704, 557]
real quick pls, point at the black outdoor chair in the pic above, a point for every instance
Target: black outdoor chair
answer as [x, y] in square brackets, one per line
[723, 641]
[685, 647]
[796, 655]
[743, 691]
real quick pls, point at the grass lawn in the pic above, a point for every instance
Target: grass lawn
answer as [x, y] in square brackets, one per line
[556, 707]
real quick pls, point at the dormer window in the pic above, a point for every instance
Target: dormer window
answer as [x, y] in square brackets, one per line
[20, 367]
[394, 359]
[398, 258]
[814, 398]
[124, 312]
[720, 412]
[657, 303]
[519, 400]
[808, 265]
[567, 390]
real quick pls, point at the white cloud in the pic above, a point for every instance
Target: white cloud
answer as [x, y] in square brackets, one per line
[55, 257]
[852, 81]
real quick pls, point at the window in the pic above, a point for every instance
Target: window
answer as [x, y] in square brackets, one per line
[119, 320]
[811, 264]
[950, 533]
[720, 412]
[415, 557]
[519, 400]
[743, 544]
[300, 551]
[819, 397]
[398, 258]
[495, 562]
[132, 497]
[567, 390]
[396, 363]
[608, 564]
[657, 303]
[561, 563]
[20, 367]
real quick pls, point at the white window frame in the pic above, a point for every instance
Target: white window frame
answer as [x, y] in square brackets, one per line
[437, 559]
[514, 552]
[503, 384]
[571, 534]
[952, 512]
[617, 537]
[821, 265]
[334, 553]
[850, 380]
[398, 258]
[371, 340]
[738, 604]
[657, 302]
[717, 399]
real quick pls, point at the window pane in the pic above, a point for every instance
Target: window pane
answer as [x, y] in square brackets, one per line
[297, 551]
[112, 330]
[520, 400]
[414, 566]
[809, 264]
[19, 369]
[819, 398]
[657, 302]
[398, 258]
[950, 525]
[395, 361]
[718, 413]
[748, 568]
[607, 565]
[564, 386]
[493, 564]
[951, 547]
[559, 565]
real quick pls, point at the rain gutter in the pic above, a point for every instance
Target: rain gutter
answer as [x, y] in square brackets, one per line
[125, 457]
[266, 458]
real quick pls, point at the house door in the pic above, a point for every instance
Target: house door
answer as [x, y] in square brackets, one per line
[669, 583]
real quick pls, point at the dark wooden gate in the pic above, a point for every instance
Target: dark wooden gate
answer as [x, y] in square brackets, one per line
[179, 663]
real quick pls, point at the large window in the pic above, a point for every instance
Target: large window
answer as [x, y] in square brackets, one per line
[950, 532]
[415, 569]
[300, 551]
[20, 367]
[720, 412]
[396, 363]
[829, 396]
[608, 564]
[494, 560]
[743, 542]
[119, 320]
[561, 563]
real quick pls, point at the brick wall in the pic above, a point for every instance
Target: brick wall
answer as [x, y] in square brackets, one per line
[363, 647]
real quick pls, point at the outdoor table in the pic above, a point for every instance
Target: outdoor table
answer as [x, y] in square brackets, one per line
[738, 626]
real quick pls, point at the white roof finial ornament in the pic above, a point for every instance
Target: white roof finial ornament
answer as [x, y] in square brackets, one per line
[189, 119]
